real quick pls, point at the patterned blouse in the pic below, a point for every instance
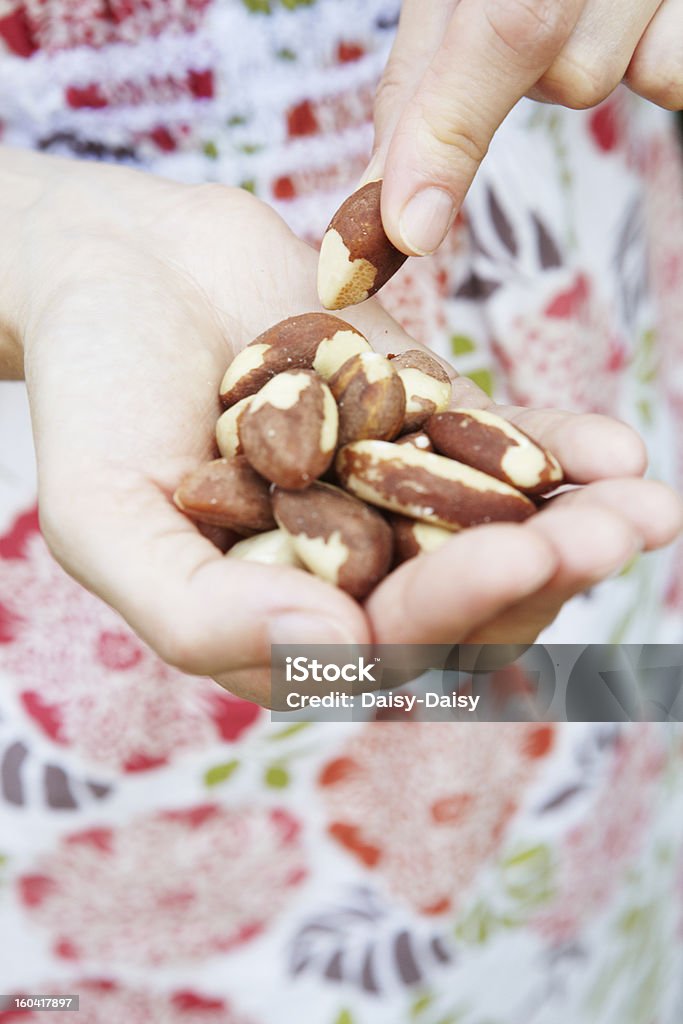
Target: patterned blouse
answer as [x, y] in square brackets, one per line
[165, 850]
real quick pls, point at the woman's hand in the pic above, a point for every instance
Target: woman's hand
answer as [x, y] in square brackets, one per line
[131, 295]
[459, 66]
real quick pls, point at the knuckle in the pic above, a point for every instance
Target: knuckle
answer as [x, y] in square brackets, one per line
[662, 83]
[579, 83]
[531, 29]
[454, 133]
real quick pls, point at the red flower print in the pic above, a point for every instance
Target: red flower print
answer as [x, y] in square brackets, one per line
[609, 837]
[84, 677]
[607, 124]
[564, 354]
[103, 1001]
[427, 804]
[180, 885]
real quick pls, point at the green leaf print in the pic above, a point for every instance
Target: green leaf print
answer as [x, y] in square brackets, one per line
[528, 875]
[461, 345]
[344, 1018]
[421, 1004]
[276, 777]
[289, 730]
[220, 773]
[258, 6]
[483, 379]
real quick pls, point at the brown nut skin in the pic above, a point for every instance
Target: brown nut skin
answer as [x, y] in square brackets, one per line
[370, 397]
[289, 431]
[336, 536]
[226, 492]
[419, 439]
[429, 487]
[356, 257]
[412, 537]
[427, 387]
[492, 444]
[288, 345]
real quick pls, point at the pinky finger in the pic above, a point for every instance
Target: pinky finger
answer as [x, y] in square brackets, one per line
[656, 68]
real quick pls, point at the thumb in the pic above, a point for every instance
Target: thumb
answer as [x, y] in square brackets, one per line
[200, 611]
[492, 53]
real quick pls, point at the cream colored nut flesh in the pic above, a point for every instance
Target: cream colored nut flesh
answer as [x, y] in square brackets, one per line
[489, 442]
[289, 430]
[413, 537]
[342, 281]
[429, 487]
[227, 436]
[271, 548]
[356, 256]
[333, 352]
[421, 387]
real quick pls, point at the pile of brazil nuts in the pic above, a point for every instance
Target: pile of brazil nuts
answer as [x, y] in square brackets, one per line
[344, 462]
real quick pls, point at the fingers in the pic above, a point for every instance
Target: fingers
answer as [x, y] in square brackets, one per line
[656, 70]
[202, 612]
[444, 596]
[597, 54]
[492, 53]
[420, 31]
[588, 543]
[587, 445]
[651, 508]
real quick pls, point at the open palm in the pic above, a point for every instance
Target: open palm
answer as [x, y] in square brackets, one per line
[131, 324]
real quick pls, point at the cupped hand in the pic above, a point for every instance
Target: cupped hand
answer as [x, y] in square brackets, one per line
[459, 66]
[132, 295]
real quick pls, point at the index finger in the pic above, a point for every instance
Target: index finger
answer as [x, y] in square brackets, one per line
[492, 54]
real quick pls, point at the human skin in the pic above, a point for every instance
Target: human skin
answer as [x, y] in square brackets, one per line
[124, 297]
[458, 67]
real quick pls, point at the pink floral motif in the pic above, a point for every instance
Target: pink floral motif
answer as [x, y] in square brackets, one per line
[596, 851]
[426, 804]
[103, 1001]
[180, 885]
[87, 680]
[64, 24]
[564, 354]
[418, 294]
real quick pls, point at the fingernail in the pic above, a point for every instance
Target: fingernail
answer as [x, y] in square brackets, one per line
[299, 628]
[373, 172]
[426, 220]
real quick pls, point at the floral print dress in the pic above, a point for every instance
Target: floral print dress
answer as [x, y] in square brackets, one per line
[168, 853]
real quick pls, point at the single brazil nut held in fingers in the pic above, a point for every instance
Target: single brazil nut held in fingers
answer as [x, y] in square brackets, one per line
[492, 444]
[412, 537]
[272, 548]
[226, 492]
[370, 397]
[336, 536]
[227, 429]
[288, 345]
[429, 487]
[356, 257]
[289, 431]
[427, 387]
